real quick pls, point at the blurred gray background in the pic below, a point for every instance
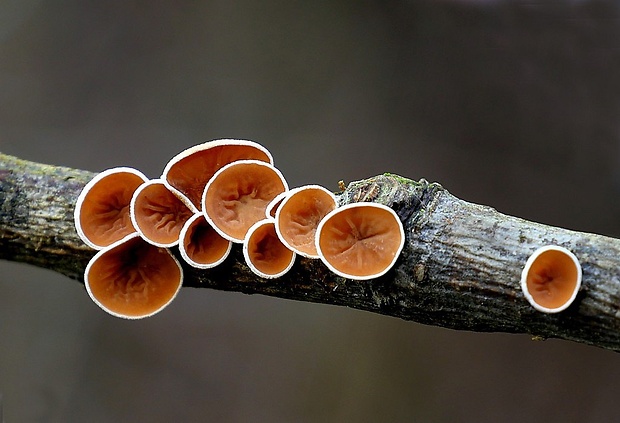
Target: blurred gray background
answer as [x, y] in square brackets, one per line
[510, 104]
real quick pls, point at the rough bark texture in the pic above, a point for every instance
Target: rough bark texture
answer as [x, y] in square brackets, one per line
[460, 267]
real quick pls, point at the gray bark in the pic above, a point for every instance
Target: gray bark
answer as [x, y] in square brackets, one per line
[460, 267]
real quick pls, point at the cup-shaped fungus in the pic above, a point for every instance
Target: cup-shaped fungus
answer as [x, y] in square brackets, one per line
[133, 279]
[238, 194]
[159, 214]
[551, 279]
[299, 215]
[102, 209]
[190, 170]
[360, 240]
[200, 245]
[264, 252]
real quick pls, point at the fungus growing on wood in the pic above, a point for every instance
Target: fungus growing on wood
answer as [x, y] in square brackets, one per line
[101, 212]
[299, 215]
[133, 279]
[551, 279]
[190, 170]
[237, 196]
[200, 245]
[360, 240]
[158, 213]
[264, 252]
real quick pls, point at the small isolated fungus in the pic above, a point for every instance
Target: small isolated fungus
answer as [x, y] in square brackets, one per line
[299, 215]
[159, 214]
[238, 194]
[133, 279]
[265, 253]
[551, 279]
[360, 240]
[190, 170]
[200, 245]
[102, 209]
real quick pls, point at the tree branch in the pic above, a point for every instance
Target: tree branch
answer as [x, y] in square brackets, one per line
[460, 267]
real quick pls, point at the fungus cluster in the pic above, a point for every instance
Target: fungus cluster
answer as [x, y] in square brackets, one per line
[209, 197]
[223, 192]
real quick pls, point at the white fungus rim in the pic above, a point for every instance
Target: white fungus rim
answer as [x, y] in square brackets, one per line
[183, 251]
[125, 316]
[214, 178]
[132, 209]
[275, 203]
[528, 264]
[77, 211]
[357, 205]
[246, 252]
[288, 196]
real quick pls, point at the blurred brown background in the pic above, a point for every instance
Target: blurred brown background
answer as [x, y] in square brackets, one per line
[510, 104]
